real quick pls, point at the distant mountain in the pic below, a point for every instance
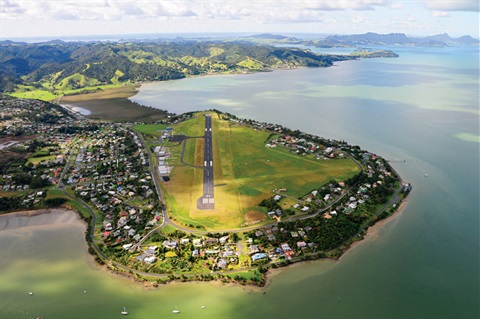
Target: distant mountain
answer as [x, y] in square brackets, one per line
[267, 36]
[371, 38]
[466, 39]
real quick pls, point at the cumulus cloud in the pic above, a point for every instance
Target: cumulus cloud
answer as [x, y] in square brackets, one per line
[263, 11]
[452, 5]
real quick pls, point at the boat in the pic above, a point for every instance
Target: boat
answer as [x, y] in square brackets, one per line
[203, 307]
[30, 293]
[176, 310]
[124, 312]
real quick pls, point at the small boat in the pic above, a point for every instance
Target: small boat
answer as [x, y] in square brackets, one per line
[176, 310]
[426, 175]
[203, 307]
[30, 293]
[124, 312]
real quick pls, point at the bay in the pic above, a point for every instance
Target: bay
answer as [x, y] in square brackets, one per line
[422, 107]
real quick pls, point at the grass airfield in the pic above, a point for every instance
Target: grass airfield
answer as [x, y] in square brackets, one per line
[245, 173]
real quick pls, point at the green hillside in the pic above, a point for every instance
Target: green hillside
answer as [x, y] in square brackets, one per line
[58, 68]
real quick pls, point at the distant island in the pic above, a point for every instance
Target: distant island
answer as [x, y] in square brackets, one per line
[144, 189]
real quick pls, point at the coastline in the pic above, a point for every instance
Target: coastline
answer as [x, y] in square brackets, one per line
[89, 101]
[112, 104]
[45, 217]
[372, 233]
[57, 216]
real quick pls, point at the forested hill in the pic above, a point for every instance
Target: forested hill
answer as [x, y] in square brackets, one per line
[59, 66]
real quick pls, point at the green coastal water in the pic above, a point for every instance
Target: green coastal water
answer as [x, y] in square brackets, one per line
[423, 263]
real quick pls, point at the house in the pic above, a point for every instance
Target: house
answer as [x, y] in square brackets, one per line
[259, 256]
[287, 250]
[223, 240]
[301, 244]
[277, 197]
[259, 233]
[228, 253]
[222, 263]
[152, 250]
[271, 214]
[184, 241]
[150, 259]
[197, 242]
[211, 241]
[253, 249]
[141, 257]
[170, 244]
[127, 246]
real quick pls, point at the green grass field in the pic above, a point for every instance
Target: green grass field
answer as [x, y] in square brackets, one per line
[36, 160]
[30, 92]
[245, 173]
[150, 129]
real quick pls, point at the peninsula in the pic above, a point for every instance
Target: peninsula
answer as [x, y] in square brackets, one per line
[197, 196]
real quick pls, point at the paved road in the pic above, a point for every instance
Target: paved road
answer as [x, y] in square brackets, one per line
[207, 200]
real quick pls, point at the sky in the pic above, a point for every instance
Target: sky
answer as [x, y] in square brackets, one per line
[63, 18]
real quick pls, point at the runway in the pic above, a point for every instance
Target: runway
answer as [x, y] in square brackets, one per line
[207, 200]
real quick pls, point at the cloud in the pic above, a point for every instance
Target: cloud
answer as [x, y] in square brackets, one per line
[396, 5]
[440, 14]
[452, 5]
[358, 18]
[262, 11]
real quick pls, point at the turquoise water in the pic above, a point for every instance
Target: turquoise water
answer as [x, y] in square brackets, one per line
[424, 263]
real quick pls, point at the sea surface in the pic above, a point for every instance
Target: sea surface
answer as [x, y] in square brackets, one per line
[422, 108]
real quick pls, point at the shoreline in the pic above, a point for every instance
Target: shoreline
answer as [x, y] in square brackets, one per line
[128, 91]
[44, 217]
[371, 233]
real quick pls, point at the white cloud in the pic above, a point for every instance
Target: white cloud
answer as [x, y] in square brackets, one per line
[396, 5]
[452, 5]
[358, 18]
[440, 14]
[266, 11]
